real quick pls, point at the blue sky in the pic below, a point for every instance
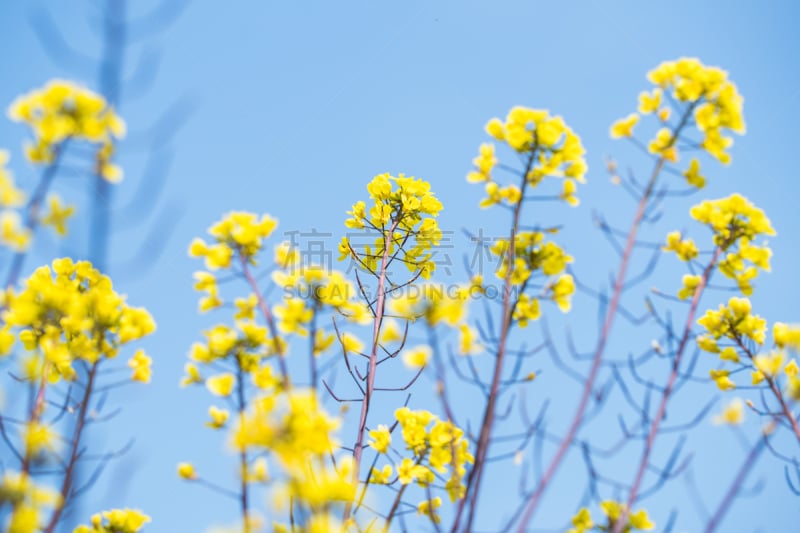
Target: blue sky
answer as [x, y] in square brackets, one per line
[296, 105]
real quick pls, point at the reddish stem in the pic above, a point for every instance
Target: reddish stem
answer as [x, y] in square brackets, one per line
[380, 302]
[80, 424]
[262, 305]
[476, 474]
[619, 282]
[662, 407]
[736, 485]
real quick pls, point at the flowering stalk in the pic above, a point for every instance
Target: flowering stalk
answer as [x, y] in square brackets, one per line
[74, 453]
[262, 305]
[785, 409]
[662, 407]
[605, 333]
[242, 404]
[373, 356]
[475, 475]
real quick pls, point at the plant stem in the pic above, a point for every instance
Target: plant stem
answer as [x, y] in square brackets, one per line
[655, 425]
[80, 424]
[605, 333]
[736, 485]
[785, 409]
[373, 356]
[474, 480]
[243, 453]
[262, 305]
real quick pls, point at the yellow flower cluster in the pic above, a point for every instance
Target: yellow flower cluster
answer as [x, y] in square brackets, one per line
[718, 104]
[62, 111]
[684, 248]
[239, 234]
[293, 427]
[403, 211]
[72, 312]
[12, 232]
[532, 255]
[735, 223]
[433, 302]
[246, 346]
[732, 321]
[713, 101]
[316, 289]
[765, 366]
[28, 502]
[613, 511]
[436, 445]
[115, 521]
[290, 424]
[554, 150]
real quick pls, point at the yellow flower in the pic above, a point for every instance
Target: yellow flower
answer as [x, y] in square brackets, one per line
[561, 292]
[351, 343]
[140, 364]
[686, 250]
[293, 315]
[640, 520]
[58, 215]
[690, 284]
[613, 510]
[722, 380]
[624, 126]
[221, 384]
[468, 343]
[484, 164]
[12, 233]
[428, 508]
[39, 437]
[649, 102]
[769, 364]
[390, 332]
[568, 193]
[125, 520]
[187, 471]
[582, 521]
[732, 414]
[664, 145]
[786, 336]
[382, 439]
[192, 375]
[63, 110]
[382, 476]
[791, 369]
[527, 309]
[219, 417]
[416, 357]
[693, 176]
